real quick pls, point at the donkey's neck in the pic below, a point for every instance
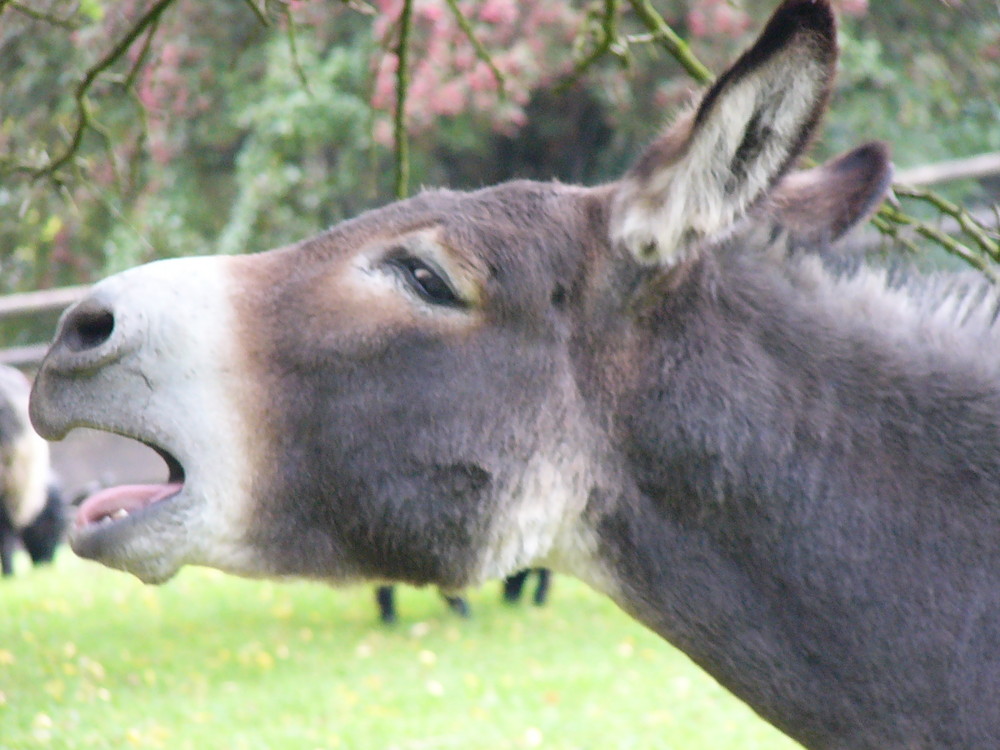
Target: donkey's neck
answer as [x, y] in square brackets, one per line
[817, 527]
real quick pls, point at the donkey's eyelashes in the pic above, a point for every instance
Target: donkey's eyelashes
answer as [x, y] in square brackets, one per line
[427, 281]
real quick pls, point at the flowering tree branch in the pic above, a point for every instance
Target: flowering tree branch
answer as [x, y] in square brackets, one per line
[978, 245]
[481, 52]
[83, 116]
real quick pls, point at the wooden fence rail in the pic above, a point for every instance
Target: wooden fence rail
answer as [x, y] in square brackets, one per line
[972, 167]
[34, 303]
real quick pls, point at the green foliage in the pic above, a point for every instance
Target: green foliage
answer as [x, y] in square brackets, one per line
[920, 77]
[203, 137]
[89, 658]
[306, 160]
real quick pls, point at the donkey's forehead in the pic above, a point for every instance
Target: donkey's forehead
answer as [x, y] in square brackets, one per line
[519, 223]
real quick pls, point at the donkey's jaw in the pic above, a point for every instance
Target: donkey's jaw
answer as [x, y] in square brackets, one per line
[149, 355]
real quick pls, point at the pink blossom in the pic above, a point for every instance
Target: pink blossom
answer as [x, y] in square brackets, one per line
[148, 93]
[170, 54]
[498, 12]
[422, 87]
[712, 17]
[389, 8]
[697, 22]
[527, 42]
[384, 94]
[430, 11]
[464, 58]
[481, 78]
[449, 100]
[853, 7]
[160, 151]
[382, 132]
[729, 21]
[179, 103]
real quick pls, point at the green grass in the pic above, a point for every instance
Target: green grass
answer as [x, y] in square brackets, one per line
[90, 658]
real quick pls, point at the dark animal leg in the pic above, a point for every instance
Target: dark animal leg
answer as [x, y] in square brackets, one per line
[458, 605]
[542, 589]
[512, 586]
[42, 536]
[386, 604]
[8, 543]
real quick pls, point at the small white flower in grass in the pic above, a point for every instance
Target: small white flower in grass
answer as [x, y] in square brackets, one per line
[682, 685]
[427, 658]
[420, 629]
[533, 737]
[435, 688]
[41, 728]
[42, 721]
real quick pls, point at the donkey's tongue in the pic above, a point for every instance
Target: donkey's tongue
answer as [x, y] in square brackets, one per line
[118, 502]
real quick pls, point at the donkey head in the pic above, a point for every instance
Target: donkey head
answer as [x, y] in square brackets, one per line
[428, 392]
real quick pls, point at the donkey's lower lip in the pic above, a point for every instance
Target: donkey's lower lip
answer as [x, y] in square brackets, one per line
[118, 503]
[115, 519]
[112, 522]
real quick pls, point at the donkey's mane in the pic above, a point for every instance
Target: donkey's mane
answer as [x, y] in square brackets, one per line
[953, 312]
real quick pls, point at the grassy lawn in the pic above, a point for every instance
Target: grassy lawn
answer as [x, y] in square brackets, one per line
[90, 658]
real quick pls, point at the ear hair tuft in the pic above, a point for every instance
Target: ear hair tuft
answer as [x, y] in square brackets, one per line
[706, 172]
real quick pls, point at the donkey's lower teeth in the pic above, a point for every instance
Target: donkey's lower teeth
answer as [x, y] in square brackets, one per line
[118, 514]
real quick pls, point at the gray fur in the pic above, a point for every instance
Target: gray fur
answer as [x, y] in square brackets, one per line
[786, 465]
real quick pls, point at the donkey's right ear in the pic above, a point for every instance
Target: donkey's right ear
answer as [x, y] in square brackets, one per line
[714, 164]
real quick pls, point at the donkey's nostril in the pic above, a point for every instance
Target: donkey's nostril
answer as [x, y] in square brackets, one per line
[88, 328]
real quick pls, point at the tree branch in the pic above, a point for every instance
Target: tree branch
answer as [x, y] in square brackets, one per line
[400, 136]
[293, 48]
[63, 23]
[676, 46]
[949, 243]
[481, 52]
[972, 229]
[260, 14]
[608, 36]
[83, 120]
[140, 59]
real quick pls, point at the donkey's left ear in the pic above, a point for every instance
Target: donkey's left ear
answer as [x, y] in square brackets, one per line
[819, 205]
[714, 164]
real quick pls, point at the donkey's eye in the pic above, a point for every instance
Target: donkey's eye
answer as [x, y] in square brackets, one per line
[426, 281]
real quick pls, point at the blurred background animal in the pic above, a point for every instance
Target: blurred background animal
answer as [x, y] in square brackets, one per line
[513, 588]
[32, 513]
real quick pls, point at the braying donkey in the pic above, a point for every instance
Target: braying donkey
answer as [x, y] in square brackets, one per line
[662, 385]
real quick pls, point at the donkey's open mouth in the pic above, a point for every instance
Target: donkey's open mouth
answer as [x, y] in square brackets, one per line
[124, 504]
